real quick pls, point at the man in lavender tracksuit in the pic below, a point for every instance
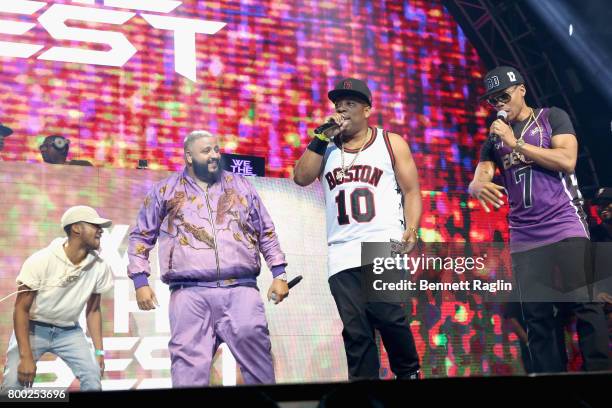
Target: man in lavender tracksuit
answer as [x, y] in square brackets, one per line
[211, 226]
[536, 152]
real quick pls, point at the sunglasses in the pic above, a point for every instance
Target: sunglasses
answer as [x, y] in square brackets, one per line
[503, 98]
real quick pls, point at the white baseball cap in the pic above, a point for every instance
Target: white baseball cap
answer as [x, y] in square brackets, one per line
[86, 214]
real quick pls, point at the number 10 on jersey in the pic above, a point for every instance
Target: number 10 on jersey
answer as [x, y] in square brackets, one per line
[362, 207]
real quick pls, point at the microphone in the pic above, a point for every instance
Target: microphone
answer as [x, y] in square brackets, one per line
[294, 281]
[291, 284]
[328, 125]
[503, 115]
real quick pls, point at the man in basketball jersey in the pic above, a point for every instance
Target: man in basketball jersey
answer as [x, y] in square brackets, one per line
[536, 151]
[371, 194]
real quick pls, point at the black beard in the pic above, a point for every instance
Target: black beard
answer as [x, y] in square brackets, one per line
[202, 173]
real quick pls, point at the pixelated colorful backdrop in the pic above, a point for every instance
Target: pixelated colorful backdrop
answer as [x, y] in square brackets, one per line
[261, 85]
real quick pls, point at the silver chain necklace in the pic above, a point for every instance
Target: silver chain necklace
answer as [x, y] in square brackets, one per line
[342, 174]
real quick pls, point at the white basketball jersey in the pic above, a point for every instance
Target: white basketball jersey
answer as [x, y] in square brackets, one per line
[365, 205]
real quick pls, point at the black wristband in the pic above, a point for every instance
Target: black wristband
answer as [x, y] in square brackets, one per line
[318, 146]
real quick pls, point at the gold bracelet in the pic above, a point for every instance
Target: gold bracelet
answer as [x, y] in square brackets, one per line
[415, 232]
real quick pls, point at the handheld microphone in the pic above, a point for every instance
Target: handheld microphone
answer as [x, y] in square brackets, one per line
[294, 281]
[291, 284]
[328, 125]
[503, 115]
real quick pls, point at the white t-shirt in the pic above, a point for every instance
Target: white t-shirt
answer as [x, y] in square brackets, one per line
[62, 287]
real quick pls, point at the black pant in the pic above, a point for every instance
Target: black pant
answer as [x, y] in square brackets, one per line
[360, 318]
[512, 310]
[544, 349]
[547, 267]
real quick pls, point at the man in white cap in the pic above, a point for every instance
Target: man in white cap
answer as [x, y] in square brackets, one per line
[55, 284]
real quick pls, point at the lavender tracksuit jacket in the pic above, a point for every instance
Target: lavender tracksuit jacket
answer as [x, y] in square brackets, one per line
[206, 237]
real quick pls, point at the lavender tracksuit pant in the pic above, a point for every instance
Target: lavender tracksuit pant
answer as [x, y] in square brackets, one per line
[202, 318]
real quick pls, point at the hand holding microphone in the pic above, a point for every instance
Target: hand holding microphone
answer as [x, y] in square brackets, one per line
[327, 125]
[499, 127]
[291, 284]
[333, 126]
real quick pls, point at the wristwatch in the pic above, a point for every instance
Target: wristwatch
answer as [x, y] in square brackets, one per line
[282, 276]
[519, 144]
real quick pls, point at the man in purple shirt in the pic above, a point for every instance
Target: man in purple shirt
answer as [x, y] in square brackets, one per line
[211, 226]
[536, 151]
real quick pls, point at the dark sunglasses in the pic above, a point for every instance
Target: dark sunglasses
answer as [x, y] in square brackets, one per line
[503, 98]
